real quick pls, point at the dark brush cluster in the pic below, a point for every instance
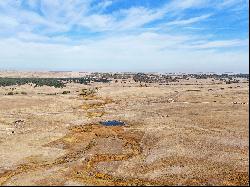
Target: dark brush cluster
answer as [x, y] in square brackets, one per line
[53, 82]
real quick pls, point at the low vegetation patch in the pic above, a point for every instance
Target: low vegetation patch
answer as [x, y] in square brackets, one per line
[194, 90]
[10, 93]
[65, 92]
[88, 92]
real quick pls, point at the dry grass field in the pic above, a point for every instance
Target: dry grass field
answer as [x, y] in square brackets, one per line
[173, 135]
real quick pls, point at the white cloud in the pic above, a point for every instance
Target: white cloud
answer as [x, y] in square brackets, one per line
[6, 21]
[137, 17]
[178, 5]
[190, 20]
[97, 22]
[221, 44]
[228, 3]
[122, 20]
[101, 6]
[145, 52]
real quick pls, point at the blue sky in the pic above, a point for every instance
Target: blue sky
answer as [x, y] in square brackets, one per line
[125, 35]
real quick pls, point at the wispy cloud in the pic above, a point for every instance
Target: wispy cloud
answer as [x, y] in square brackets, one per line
[221, 44]
[103, 5]
[190, 20]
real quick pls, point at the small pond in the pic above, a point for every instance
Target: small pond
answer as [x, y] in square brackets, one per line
[112, 123]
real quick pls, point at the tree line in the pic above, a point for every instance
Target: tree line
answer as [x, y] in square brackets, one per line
[53, 82]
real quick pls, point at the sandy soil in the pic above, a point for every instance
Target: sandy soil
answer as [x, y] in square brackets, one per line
[174, 135]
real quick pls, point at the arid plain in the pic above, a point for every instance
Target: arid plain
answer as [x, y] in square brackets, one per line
[192, 132]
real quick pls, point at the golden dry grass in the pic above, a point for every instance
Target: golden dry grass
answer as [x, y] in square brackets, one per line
[172, 136]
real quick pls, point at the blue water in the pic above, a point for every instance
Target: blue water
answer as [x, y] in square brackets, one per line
[112, 123]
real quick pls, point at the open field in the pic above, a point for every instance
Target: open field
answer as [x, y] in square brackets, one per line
[191, 132]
